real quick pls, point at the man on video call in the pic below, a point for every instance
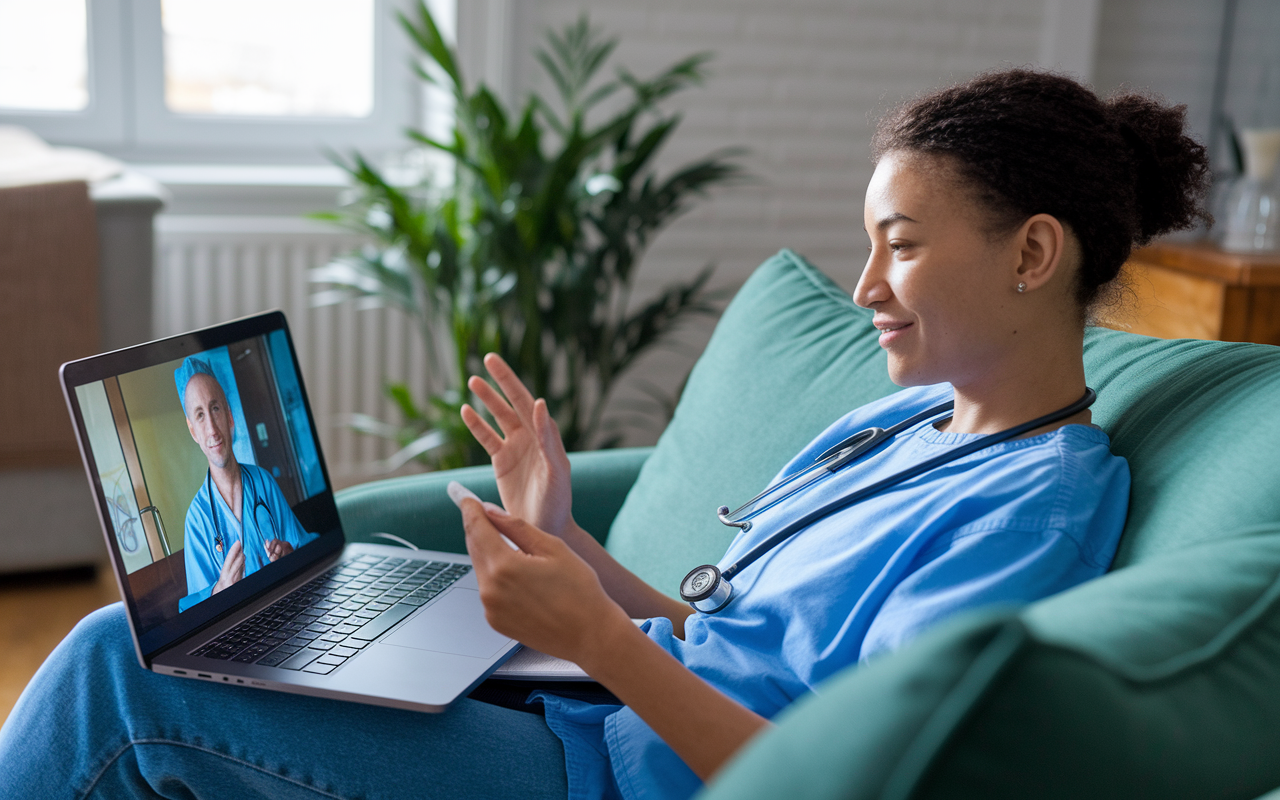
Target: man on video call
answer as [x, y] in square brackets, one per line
[239, 520]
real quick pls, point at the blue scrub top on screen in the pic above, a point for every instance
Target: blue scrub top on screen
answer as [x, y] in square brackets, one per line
[204, 562]
[1013, 523]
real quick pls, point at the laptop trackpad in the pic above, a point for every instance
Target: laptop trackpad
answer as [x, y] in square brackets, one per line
[453, 624]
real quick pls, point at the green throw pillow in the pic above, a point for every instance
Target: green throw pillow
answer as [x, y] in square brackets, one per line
[791, 355]
[1160, 680]
[1198, 423]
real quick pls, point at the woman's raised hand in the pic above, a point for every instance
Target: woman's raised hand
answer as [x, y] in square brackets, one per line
[529, 459]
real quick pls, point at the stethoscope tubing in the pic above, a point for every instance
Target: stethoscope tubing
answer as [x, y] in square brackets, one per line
[855, 496]
[218, 538]
[831, 460]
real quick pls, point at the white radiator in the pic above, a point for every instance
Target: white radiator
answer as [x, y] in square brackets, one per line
[212, 269]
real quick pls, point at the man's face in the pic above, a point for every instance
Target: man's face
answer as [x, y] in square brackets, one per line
[209, 420]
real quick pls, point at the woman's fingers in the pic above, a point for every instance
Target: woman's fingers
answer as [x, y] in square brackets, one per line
[484, 433]
[522, 534]
[517, 393]
[486, 524]
[546, 428]
[514, 407]
[484, 542]
[502, 411]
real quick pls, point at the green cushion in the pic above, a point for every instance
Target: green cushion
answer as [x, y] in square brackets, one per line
[1198, 422]
[1161, 680]
[791, 354]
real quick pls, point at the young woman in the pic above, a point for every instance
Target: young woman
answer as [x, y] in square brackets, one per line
[998, 212]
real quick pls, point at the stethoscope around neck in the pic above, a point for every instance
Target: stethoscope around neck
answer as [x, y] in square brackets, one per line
[245, 477]
[708, 590]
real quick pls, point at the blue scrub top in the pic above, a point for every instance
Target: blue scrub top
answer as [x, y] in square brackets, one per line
[266, 514]
[1013, 523]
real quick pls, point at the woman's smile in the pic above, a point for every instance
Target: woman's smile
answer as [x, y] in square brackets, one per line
[891, 332]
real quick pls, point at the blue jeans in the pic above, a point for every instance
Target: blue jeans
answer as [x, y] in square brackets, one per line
[93, 723]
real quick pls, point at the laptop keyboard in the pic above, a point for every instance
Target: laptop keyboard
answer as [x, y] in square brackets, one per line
[318, 626]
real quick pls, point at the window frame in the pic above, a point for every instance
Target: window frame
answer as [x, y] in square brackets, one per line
[127, 117]
[102, 122]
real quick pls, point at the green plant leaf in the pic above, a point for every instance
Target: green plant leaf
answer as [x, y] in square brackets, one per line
[427, 36]
[400, 395]
[418, 447]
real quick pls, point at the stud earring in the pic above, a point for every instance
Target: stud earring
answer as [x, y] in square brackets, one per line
[1022, 287]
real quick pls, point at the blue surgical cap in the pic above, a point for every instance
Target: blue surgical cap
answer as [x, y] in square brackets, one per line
[191, 367]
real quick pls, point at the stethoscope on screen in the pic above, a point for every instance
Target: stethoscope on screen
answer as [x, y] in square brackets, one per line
[707, 589]
[257, 504]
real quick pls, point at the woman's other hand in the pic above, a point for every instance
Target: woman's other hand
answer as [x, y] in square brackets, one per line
[529, 460]
[543, 594]
[547, 597]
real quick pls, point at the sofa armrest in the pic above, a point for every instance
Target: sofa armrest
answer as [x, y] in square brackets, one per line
[417, 508]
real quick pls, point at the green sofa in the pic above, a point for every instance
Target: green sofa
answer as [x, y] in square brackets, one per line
[1160, 679]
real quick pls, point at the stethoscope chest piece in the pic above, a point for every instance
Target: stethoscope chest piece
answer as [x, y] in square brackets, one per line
[706, 589]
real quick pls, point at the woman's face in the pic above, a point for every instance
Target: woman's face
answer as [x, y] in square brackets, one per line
[939, 282]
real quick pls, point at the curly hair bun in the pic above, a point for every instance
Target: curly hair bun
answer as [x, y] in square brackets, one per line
[1118, 172]
[1172, 170]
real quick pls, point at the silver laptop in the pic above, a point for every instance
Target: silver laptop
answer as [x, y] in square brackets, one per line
[221, 525]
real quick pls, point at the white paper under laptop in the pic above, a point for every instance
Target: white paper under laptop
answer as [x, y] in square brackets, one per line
[221, 524]
[535, 665]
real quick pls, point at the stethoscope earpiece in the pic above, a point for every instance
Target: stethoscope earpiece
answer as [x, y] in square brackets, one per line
[723, 513]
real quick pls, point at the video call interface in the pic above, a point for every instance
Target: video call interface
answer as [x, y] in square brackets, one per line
[204, 462]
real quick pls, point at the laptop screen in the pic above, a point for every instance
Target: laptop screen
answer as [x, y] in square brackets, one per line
[210, 480]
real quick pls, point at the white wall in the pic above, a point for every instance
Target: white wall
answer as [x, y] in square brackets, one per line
[1164, 46]
[1171, 47]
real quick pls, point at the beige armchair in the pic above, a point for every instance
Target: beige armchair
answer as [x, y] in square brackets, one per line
[76, 265]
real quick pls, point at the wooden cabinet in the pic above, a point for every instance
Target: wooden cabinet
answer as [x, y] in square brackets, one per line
[1197, 291]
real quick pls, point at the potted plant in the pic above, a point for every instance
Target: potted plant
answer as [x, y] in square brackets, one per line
[527, 246]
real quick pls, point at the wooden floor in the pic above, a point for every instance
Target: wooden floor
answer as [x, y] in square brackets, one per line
[36, 611]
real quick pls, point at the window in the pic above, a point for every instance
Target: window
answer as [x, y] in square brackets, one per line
[208, 80]
[44, 55]
[301, 58]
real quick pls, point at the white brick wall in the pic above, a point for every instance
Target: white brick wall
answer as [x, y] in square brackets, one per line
[1253, 88]
[1171, 47]
[1165, 46]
